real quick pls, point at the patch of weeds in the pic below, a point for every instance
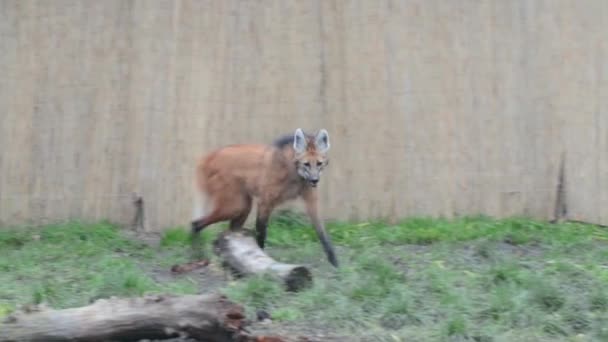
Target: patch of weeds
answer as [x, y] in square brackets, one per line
[546, 296]
[500, 302]
[554, 327]
[577, 319]
[259, 292]
[600, 328]
[484, 249]
[13, 239]
[5, 265]
[75, 232]
[290, 229]
[483, 338]
[328, 299]
[505, 273]
[182, 237]
[176, 236]
[437, 282]
[398, 301]
[360, 235]
[456, 326]
[5, 310]
[380, 277]
[45, 293]
[122, 278]
[286, 314]
[394, 321]
[366, 291]
[600, 273]
[567, 269]
[420, 231]
[518, 238]
[422, 237]
[286, 218]
[385, 272]
[68, 264]
[291, 237]
[598, 300]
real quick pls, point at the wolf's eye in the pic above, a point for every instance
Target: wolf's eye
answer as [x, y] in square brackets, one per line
[319, 163]
[307, 164]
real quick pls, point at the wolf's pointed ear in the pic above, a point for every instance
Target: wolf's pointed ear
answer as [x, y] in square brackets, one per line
[322, 141]
[299, 141]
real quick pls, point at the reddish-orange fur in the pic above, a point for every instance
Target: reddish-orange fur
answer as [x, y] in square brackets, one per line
[230, 177]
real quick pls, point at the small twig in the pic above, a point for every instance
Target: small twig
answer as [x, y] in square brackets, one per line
[191, 266]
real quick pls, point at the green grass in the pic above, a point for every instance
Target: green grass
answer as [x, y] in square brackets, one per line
[71, 264]
[422, 279]
[426, 279]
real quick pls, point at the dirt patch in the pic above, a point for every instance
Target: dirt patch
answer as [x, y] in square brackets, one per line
[151, 239]
[528, 250]
[209, 279]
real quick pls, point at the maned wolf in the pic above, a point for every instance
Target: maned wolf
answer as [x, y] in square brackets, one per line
[229, 178]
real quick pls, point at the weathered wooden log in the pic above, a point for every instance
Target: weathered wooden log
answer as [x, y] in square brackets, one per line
[241, 253]
[201, 317]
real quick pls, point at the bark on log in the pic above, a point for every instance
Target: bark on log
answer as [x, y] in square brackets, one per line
[202, 317]
[240, 251]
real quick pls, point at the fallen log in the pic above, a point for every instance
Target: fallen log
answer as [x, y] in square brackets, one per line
[200, 317]
[241, 253]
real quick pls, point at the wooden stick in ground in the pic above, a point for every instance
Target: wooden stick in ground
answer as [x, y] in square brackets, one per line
[202, 317]
[240, 251]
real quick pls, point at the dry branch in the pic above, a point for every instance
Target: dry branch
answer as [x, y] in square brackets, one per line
[201, 317]
[188, 267]
[241, 252]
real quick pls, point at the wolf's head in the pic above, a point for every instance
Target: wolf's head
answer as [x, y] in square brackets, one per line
[311, 154]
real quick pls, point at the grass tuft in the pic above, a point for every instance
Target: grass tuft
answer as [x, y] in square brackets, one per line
[67, 265]
[258, 292]
[176, 236]
[456, 326]
[598, 300]
[547, 296]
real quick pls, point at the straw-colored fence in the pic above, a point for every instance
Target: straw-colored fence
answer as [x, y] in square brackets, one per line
[433, 107]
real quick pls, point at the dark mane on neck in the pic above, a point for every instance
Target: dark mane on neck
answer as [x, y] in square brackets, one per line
[284, 141]
[287, 140]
